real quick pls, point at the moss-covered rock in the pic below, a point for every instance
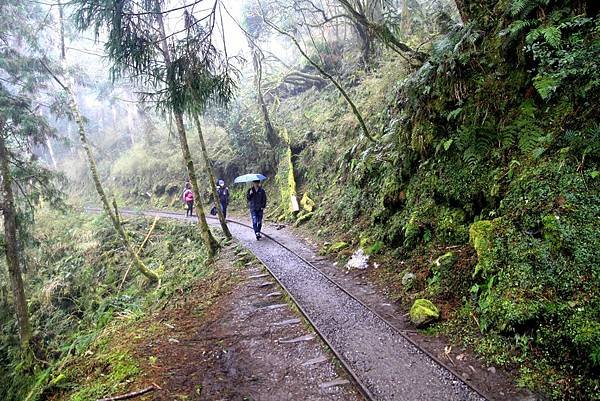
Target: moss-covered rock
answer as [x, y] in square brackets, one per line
[444, 262]
[307, 203]
[408, 279]
[423, 312]
[481, 235]
[303, 218]
[338, 246]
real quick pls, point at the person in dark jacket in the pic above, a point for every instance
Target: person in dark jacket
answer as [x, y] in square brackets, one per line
[257, 201]
[223, 193]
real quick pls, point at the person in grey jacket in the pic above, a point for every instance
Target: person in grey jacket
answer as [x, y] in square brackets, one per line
[257, 201]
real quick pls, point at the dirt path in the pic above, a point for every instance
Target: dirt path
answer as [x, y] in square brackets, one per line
[249, 345]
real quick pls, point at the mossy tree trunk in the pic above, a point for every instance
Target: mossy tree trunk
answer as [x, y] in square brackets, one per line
[209, 240]
[211, 178]
[11, 246]
[112, 214]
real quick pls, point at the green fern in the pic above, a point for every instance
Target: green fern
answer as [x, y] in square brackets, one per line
[517, 27]
[507, 138]
[530, 140]
[551, 35]
[471, 157]
[524, 7]
[545, 85]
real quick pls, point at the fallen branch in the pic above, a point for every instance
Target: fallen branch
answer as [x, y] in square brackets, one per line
[129, 395]
[140, 249]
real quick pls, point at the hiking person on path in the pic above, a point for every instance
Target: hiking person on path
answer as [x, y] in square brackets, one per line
[188, 199]
[223, 193]
[257, 201]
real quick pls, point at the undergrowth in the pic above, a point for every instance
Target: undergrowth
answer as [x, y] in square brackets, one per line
[81, 302]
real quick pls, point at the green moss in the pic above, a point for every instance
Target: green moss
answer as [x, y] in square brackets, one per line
[338, 246]
[423, 312]
[307, 203]
[111, 375]
[303, 218]
[481, 235]
[286, 185]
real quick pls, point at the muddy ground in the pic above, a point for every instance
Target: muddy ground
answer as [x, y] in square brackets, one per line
[250, 344]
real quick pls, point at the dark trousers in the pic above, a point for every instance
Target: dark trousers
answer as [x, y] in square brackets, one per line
[257, 216]
[190, 207]
[224, 209]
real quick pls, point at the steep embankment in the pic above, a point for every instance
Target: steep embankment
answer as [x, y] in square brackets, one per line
[488, 155]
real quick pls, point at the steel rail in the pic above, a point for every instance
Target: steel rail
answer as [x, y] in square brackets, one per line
[364, 390]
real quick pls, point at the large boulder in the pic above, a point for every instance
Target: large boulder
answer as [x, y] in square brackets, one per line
[423, 312]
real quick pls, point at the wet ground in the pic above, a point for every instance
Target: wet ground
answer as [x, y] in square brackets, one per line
[249, 345]
[385, 362]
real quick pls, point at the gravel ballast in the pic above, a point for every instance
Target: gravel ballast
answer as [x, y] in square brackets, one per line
[383, 360]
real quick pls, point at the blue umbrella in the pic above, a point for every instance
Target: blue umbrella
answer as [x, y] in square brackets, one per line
[249, 178]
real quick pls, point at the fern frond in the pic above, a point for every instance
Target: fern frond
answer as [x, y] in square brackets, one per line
[517, 27]
[551, 35]
[545, 85]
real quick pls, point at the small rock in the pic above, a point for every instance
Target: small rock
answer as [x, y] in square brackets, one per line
[423, 312]
[408, 279]
[276, 306]
[314, 361]
[492, 370]
[307, 337]
[286, 322]
[259, 275]
[333, 383]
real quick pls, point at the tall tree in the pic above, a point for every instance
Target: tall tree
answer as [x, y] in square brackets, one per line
[11, 248]
[321, 70]
[76, 114]
[23, 179]
[140, 47]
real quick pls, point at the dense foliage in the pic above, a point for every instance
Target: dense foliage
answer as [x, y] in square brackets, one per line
[79, 289]
[492, 145]
[482, 185]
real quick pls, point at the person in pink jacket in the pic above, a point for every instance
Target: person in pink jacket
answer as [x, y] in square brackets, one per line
[188, 199]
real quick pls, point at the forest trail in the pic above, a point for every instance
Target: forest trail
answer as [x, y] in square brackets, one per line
[235, 337]
[386, 363]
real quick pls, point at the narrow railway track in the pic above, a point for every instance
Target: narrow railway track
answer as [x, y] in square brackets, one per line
[384, 362]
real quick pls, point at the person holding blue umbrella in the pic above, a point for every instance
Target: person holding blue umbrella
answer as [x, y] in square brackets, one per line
[257, 200]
